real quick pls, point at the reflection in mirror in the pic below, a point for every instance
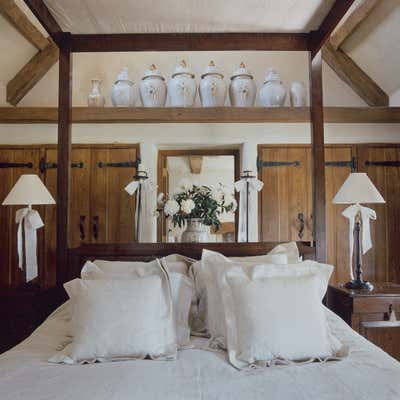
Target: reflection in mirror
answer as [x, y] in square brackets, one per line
[199, 203]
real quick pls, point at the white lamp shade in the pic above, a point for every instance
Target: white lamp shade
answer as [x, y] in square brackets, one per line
[358, 188]
[29, 190]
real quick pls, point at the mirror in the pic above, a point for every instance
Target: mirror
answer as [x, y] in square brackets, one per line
[196, 189]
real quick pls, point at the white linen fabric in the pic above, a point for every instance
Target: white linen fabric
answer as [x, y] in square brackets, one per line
[274, 314]
[366, 374]
[181, 285]
[119, 319]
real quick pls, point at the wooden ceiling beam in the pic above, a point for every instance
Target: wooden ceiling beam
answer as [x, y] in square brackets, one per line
[352, 22]
[18, 19]
[319, 37]
[349, 72]
[31, 73]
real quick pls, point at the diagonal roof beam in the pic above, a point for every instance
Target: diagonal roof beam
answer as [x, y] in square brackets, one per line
[352, 22]
[319, 37]
[13, 14]
[42, 13]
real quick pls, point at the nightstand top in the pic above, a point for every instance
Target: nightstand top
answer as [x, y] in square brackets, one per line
[380, 289]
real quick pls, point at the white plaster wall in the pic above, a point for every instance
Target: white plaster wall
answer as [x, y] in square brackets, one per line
[395, 99]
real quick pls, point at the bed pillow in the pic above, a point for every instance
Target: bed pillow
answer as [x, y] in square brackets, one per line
[213, 263]
[181, 285]
[119, 319]
[274, 315]
[177, 263]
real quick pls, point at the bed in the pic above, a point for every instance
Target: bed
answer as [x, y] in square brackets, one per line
[367, 373]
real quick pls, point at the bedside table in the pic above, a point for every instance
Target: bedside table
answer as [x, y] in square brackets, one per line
[22, 311]
[367, 312]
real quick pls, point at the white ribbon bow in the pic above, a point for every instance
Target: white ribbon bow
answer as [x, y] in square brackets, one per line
[147, 189]
[255, 186]
[32, 222]
[366, 215]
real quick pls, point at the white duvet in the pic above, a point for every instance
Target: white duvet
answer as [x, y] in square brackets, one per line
[366, 374]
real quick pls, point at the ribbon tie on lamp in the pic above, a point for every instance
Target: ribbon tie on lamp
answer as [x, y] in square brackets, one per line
[32, 222]
[366, 214]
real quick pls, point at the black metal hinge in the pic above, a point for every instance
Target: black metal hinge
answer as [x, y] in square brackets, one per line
[382, 163]
[350, 164]
[268, 164]
[123, 164]
[15, 165]
[43, 165]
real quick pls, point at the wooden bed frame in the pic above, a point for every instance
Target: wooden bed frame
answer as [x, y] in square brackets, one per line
[68, 43]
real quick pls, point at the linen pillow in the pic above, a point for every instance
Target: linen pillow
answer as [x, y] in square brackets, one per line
[119, 319]
[181, 286]
[274, 315]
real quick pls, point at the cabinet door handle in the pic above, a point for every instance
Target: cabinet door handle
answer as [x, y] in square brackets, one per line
[96, 227]
[82, 219]
[300, 217]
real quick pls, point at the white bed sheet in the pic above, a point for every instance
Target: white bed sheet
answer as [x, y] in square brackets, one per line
[367, 374]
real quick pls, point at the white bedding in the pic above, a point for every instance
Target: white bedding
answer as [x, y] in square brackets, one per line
[366, 374]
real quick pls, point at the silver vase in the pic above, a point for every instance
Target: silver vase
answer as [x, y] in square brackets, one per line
[196, 232]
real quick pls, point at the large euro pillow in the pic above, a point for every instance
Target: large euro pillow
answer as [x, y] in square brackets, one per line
[274, 315]
[181, 285]
[119, 319]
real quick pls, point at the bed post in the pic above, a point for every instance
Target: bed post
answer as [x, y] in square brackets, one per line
[64, 154]
[318, 155]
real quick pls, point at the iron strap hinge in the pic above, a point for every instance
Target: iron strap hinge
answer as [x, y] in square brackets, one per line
[43, 165]
[351, 164]
[268, 164]
[15, 165]
[383, 163]
[122, 164]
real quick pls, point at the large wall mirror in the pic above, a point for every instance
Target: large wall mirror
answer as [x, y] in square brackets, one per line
[198, 184]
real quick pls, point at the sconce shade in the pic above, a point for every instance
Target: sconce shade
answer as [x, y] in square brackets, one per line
[29, 190]
[357, 189]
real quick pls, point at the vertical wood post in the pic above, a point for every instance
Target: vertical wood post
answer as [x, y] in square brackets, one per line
[318, 155]
[64, 154]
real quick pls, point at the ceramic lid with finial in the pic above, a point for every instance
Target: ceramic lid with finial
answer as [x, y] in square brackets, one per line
[212, 70]
[152, 72]
[272, 76]
[182, 68]
[123, 75]
[242, 71]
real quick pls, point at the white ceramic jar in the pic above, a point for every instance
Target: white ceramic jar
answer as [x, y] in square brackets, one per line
[123, 92]
[212, 87]
[298, 94]
[242, 90]
[182, 87]
[273, 93]
[153, 89]
[95, 98]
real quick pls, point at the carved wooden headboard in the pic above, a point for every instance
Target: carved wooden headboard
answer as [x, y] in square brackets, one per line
[149, 251]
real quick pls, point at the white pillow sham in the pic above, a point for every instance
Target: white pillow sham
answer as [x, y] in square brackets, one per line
[181, 285]
[119, 319]
[274, 315]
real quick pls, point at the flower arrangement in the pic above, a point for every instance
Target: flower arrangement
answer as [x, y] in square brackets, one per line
[198, 202]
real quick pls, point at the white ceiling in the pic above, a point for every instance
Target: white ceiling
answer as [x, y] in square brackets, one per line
[152, 16]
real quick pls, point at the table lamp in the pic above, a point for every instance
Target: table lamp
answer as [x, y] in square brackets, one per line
[357, 189]
[28, 190]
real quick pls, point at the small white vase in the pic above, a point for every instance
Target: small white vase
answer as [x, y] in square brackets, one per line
[196, 232]
[182, 87]
[123, 93]
[95, 98]
[212, 87]
[298, 95]
[273, 93]
[153, 89]
[242, 90]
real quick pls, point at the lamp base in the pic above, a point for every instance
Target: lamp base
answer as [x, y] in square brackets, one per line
[359, 285]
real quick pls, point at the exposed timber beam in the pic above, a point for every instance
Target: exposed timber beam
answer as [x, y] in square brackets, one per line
[352, 22]
[189, 41]
[354, 76]
[319, 37]
[18, 19]
[31, 73]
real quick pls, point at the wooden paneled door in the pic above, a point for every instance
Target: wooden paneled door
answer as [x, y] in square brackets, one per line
[382, 164]
[286, 198]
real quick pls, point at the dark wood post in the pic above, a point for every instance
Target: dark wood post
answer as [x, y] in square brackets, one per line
[64, 154]
[318, 155]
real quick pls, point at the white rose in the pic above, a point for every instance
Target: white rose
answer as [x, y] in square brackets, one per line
[188, 206]
[171, 208]
[217, 195]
